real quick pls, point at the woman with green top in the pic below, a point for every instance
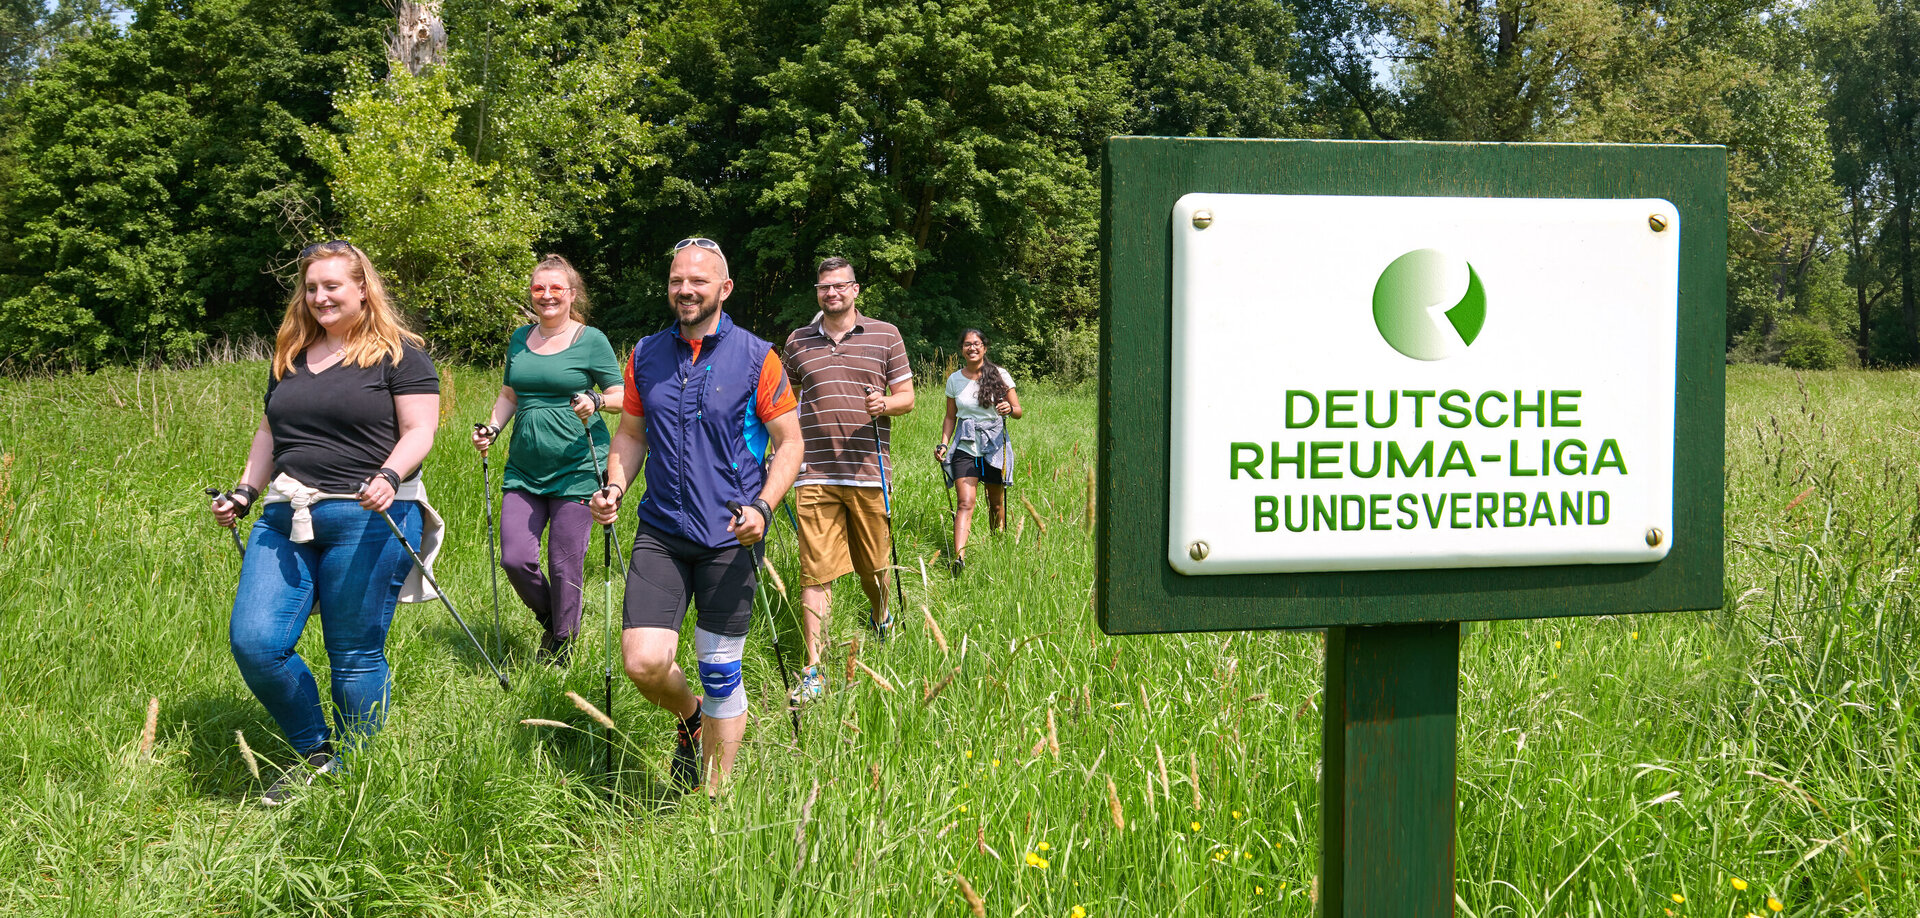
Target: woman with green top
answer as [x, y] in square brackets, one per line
[558, 444]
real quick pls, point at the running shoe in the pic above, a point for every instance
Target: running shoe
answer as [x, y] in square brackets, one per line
[882, 629]
[555, 652]
[318, 762]
[811, 686]
[958, 566]
[685, 770]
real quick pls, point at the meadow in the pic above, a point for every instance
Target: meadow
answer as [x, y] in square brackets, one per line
[1764, 758]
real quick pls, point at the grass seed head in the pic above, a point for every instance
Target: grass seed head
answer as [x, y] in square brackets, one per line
[246, 754]
[152, 726]
[853, 655]
[1053, 736]
[1166, 786]
[1113, 806]
[974, 902]
[543, 722]
[933, 691]
[591, 711]
[878, 679]
[939, 637]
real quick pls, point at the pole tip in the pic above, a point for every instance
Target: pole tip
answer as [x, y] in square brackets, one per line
[503, 684]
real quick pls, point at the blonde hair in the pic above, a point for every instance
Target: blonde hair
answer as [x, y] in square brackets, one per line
[379, 333]
[578, 308]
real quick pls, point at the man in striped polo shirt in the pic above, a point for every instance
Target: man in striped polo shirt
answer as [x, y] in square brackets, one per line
[853, 376]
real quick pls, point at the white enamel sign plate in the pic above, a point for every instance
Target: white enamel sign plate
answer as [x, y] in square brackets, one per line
[1383, 383]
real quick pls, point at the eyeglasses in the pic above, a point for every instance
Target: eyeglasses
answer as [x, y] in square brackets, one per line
[700, 241]
[545, 289]
[334, 245]
[841, 287]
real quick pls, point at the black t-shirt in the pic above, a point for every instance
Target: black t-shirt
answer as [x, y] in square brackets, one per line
[334, 430]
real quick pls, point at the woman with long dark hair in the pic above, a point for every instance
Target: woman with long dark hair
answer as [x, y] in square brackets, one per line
[352, 402]
[559, 441]
[980, 399]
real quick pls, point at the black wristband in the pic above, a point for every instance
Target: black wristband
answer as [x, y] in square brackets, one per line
[766, 512]
[243, 497]
[598, 402]
[392, 477]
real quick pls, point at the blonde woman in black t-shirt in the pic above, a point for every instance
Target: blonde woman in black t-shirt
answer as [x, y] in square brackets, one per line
[351, 405]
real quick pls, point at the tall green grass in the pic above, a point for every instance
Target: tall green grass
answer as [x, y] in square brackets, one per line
[1607, 765]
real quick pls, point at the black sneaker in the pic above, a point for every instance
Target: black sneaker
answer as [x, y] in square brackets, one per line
[554, 652]
[318, 762]
[881, 629]
[958, 567]
[685, 770]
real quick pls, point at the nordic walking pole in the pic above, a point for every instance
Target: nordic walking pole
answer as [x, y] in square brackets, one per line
[233, 530]
[606, 562]
[759, 558]
[886, 503]
[493, 556]
[953, 509]
[497, 674]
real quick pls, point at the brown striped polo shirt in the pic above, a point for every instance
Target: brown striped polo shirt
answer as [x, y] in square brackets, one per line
[833, 378]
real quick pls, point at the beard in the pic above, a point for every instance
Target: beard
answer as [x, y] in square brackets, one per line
[700, 316]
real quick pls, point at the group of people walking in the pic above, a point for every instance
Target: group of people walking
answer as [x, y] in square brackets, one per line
[722, 422]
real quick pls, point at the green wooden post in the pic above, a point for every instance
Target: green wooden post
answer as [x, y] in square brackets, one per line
[1387, 770]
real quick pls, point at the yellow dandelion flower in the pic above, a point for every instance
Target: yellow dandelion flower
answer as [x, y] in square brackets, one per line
[1035, 860]
[1283, 886]
[1739, 883]
[1236, 814]
[1193, 826]
[1775, 904]
[968, 753]
[1219, 856]
[963, 807]
[1247, 855]
[1077, 912]
[1257, 890]
[1634, 636]
[1556, 645]
[1677, 898]
[996, 763]
[1044, 846]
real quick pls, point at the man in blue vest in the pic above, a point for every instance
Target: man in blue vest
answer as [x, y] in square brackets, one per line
[709, 413]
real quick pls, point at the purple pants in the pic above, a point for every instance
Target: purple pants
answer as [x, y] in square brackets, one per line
[555, 597]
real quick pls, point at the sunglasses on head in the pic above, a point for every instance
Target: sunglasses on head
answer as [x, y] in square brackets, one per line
[700, 241]
[334, 245]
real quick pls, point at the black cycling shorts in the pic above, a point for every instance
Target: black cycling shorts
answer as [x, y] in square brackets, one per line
[665, 570]
[961, 464]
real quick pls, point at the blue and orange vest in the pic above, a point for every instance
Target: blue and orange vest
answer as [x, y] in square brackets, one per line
[706, 444]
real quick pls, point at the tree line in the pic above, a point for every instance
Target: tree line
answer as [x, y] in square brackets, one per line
[161, 163]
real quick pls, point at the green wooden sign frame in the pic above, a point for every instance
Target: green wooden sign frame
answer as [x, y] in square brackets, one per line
[1137, 592]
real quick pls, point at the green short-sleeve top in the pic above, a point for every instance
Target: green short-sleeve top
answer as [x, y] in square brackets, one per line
[552, 454]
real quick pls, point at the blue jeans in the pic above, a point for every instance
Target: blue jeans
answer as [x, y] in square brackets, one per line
[353, 569]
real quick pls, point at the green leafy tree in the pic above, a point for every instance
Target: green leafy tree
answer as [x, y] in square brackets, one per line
[1211, 68]
[945, 148]
[158, 177]
[450, 177]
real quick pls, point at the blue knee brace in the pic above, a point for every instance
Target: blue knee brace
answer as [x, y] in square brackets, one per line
[720, 673]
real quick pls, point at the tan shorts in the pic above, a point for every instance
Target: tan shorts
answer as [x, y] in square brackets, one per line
[843, 529]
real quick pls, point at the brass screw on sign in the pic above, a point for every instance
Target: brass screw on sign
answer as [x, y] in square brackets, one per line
[1201, 220]
[1197, 551]
[1658, 222]
[1655, 537]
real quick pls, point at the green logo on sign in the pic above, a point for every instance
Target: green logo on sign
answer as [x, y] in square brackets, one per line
[1412, 310]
